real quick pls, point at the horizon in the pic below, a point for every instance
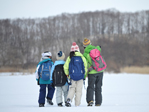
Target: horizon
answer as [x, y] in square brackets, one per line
[47, 8]
[112, 10]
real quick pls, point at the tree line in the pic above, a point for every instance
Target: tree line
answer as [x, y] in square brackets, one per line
[23, 40]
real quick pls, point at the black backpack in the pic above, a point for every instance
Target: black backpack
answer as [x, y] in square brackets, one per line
[58, 76]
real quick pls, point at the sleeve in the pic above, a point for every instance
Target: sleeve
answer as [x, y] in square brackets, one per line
[84, 54]
[66, 66]
[98, 47]
[52, 69]
[52, 63]
[85, 65]
[36, 72]
[88, 59]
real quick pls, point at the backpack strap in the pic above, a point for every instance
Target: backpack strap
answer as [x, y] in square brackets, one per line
[41, 70]
[91, 67]
[50, 68]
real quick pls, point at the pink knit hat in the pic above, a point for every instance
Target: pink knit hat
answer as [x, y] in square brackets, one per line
[75, 47]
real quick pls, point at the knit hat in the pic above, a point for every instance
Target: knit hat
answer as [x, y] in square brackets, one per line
[86, 42]
[60, 55]
[75, 47]
[46, 54]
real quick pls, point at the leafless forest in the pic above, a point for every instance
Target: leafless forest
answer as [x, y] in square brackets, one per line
[123, 37]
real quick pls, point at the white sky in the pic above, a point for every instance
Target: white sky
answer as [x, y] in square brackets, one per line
[44, 8]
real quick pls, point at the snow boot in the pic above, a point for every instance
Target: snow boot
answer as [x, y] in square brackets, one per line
[49, 102]
[90, 103]
[98, 105]
[67, 103]
[60, 105]
[41, 105]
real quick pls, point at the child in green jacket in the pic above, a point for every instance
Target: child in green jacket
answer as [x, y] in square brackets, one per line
[76, 85]
[94, 78]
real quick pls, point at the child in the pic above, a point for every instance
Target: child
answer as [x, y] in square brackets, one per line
[94, 77]
[59, 78]
[76, 68]
[43, 77]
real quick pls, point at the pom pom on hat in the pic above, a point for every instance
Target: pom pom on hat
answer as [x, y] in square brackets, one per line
[60, 56]
[74, 43]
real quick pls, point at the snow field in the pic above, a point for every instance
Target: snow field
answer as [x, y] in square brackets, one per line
[121, 93]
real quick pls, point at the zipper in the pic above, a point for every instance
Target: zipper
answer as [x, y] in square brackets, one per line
[55, 77]
[61, 77]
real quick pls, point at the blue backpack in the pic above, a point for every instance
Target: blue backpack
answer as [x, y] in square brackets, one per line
[76, 68]
[45, 70]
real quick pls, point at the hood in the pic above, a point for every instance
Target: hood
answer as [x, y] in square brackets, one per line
[59, 62]
[78, 54]
[89, 48]
[45, 60]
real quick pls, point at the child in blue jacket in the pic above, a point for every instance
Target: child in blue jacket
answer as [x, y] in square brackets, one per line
[44, 80]
[59, 78]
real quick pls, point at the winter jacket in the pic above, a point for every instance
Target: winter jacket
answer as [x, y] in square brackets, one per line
[88, 58]
[58, 62]
[66, 65]
[41, 81]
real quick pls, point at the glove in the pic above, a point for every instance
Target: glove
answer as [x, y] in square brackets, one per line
[52, 85]
[37, 81]
[69, 81]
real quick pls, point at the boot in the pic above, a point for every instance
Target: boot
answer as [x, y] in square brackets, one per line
[98, 105]
[67, 103]
[60, 105]
[49, 102]
[90, 103]
[41, 105]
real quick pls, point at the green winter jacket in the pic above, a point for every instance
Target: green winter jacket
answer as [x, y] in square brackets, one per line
[88, 58]
[66, 65]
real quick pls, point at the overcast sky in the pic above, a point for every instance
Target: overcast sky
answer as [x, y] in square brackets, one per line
[44, 8]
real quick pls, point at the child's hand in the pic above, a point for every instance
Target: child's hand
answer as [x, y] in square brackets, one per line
[68, 76]
[52, 85]
[37, 81]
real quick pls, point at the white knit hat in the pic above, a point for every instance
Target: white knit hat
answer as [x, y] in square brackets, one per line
[60, 55]
[74, 47]
[47, 53]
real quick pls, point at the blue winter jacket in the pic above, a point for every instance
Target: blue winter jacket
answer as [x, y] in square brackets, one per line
[41, 81]
[58, 62]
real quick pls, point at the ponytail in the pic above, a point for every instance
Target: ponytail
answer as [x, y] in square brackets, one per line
[72, 53]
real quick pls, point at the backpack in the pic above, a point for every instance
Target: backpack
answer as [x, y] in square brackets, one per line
[45, 70]
[76, 68]
[58, 76]
[98, 62]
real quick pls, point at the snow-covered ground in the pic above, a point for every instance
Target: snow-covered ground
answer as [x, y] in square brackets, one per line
[121, 93]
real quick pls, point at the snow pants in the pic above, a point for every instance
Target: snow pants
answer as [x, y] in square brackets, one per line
[59, 91]
[94, 84]
[42, 93]
[75, 89]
